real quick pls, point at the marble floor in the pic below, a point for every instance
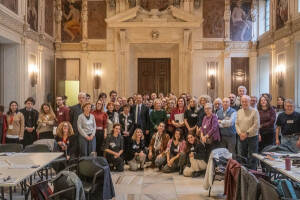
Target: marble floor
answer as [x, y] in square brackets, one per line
[152, 184]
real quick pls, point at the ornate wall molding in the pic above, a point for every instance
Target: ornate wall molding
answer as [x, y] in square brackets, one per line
[11, 23]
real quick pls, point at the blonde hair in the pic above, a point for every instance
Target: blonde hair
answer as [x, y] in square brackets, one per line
[60, 132]
[135, 133]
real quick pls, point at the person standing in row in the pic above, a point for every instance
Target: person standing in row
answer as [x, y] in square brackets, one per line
[127, 128]
[101, 123]
[16, 124]
[31, 117]
[46, 122]
[267, 116]
[74, 113]
[62, 111]
[288, 123]
[140, 113]
[191, 116]
[247, 126]
[226, 118]
[86, 125]
[113, 117]
[3, 124]
[177, 115]
[157, 116]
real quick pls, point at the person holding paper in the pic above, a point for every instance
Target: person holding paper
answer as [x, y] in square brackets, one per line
[177, 115]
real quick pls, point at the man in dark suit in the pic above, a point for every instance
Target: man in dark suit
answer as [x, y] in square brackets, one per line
[140, 114]
[75, 111]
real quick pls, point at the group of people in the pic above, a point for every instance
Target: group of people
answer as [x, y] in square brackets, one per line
[172, 133]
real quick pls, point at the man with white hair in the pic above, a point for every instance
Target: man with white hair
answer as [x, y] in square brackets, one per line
[247, 126]
[242, 90]
[226, 118]
[288, 123]
[217, 105]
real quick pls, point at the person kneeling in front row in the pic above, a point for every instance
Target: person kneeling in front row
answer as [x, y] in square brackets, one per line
[114, 147]
[137, 153]
[175, 149]
[195, 153]
[158, 146]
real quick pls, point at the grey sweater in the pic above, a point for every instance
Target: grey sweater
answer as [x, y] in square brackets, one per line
[247, 121]
[86, 126]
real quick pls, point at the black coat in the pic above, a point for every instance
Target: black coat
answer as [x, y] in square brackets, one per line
[145, 117]
[75, 111]
[130, 123]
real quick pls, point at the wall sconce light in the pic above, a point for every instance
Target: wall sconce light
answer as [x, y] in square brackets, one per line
[33, 74]
[97, 75]
[280, 74]
[211, 74]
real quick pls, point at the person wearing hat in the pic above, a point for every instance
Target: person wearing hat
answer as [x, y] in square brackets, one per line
[86, 125]
[31, 117]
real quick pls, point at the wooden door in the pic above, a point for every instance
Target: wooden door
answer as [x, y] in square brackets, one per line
[154, 75]
[239, 74]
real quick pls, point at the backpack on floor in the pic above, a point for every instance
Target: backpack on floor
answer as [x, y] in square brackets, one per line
[287, 189]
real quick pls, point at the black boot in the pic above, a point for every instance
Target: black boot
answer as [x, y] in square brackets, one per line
[180, 170]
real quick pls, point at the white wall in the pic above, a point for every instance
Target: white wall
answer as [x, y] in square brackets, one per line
[264, 72]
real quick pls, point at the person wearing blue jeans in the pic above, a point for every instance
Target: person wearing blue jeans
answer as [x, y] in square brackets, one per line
[247, 126]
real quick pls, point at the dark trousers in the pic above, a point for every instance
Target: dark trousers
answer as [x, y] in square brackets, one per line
[46, 135]
[126, 154]
[246, 148]
[99, 142]
[29, 138]
[12, 140]
[209, 147]
[116, 162]
[267, 138]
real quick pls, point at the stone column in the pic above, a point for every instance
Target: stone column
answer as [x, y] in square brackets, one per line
[227, 73]
[253, 71]
[227, 15]
[58, 17]
[185, 66]
[84, 24]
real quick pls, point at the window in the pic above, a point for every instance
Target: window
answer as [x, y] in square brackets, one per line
[267, 15]
[264, 16]
[298, 5]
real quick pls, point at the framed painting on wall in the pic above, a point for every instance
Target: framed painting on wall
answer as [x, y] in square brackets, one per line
[71, 21]
[32, 14]
[241, 21]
